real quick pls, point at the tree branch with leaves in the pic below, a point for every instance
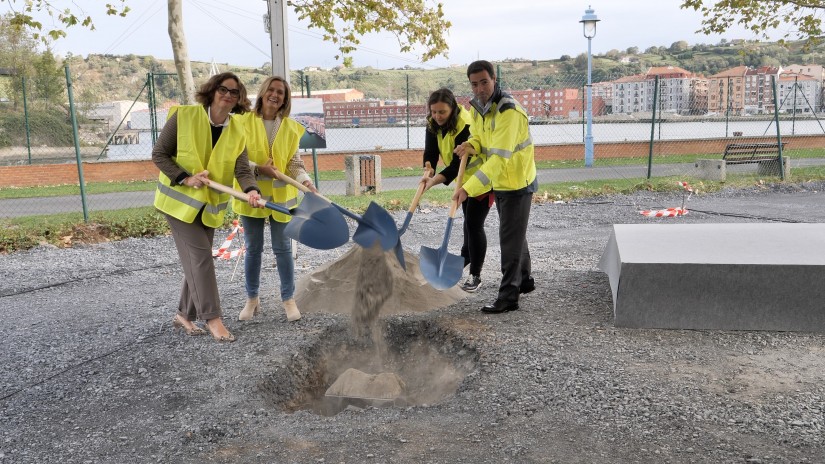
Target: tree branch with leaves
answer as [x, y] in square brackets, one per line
[21, 16]
[802, 17]
[344, 22]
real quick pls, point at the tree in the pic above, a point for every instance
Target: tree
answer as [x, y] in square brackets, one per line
[413, 23]
[180, 51]
[679, 46]
[22, 9]
[801, 18]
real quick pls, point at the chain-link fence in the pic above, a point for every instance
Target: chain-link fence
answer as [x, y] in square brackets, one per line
[662, 123]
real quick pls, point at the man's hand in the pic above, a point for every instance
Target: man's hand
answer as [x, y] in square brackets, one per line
[254, 198]
[465, 147]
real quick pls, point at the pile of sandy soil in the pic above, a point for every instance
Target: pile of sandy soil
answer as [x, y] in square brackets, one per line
[331, 288]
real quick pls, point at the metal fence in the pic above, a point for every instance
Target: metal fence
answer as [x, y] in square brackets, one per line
[641, 127]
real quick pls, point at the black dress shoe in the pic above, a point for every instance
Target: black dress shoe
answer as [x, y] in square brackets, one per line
[527, 286]
[500, 306]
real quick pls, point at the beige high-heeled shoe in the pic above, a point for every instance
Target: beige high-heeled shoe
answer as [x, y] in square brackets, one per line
[292, 313]
[252, 307]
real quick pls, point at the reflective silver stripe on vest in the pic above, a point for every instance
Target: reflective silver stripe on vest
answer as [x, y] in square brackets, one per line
[288, 204]
[279, 183]
[482, 177]
[216, 209]
[180, 196]
[475, 162]
[507, 154]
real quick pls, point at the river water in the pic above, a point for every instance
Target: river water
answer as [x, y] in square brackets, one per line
[389, 138]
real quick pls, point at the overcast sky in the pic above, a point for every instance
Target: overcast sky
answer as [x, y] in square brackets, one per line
[233, 32]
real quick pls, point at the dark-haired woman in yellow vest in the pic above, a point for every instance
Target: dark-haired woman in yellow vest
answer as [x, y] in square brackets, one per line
[272, 143]
[199, 143]
[448, 125]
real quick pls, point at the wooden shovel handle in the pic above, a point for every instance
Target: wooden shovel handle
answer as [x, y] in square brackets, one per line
[428, 172]
[235, 193]
[285, 178]
[462, 166]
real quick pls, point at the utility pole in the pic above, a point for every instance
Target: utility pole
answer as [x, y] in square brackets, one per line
[275, 25]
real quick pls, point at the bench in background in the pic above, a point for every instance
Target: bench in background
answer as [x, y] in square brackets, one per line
[743, 153]
[766, 155]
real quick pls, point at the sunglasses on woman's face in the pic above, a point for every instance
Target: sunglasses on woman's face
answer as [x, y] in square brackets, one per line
[234, 92]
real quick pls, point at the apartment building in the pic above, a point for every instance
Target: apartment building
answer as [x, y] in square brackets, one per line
[371, 113]
[759, 91]
[726, 91]
[632, 94]
[798, 93]
[817, 72]
[675, 88]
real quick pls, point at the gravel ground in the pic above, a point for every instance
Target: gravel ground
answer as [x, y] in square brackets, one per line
[93, 372]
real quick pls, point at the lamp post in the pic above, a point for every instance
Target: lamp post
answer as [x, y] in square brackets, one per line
[589, 21]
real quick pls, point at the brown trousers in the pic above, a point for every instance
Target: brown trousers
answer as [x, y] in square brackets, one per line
[199, 298]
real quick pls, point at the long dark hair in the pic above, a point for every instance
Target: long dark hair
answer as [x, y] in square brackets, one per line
[443, 95]
[206, 94]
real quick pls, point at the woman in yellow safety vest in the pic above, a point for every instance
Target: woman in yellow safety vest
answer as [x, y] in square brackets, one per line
[200, 143]
[272, 142]
[448, 126]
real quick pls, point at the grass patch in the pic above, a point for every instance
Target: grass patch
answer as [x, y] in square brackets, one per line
[66, 230]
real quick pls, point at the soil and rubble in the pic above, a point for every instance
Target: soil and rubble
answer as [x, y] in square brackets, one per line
[93, 372]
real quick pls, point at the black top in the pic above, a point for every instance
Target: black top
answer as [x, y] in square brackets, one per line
[433, 154]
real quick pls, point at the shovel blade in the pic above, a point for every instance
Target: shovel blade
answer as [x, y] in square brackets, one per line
[317, 225]
[441, 269]
[376, 225]
[399, 255]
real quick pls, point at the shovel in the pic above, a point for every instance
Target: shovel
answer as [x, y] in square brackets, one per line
[399, 250]
[428, 172]
[324, 228]
[375, 224]
[441, 268]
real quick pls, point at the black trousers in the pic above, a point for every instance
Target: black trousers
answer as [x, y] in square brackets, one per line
[514, 215]
[474, 248]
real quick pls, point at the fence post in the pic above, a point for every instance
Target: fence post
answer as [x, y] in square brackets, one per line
[77, 146]
[314, 152]
[153, 112]
[653, 126]
[778, 131]
[26, 117]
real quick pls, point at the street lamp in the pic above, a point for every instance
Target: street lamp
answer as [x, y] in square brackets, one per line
[589, 21]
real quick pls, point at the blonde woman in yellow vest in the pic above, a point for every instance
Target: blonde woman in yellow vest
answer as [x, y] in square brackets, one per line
[198, 143]
[448, 126]
[272, 143]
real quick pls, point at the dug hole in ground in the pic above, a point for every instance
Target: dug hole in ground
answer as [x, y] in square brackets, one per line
[93, 372]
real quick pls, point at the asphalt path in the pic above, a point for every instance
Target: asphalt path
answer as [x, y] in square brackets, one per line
[19, 207]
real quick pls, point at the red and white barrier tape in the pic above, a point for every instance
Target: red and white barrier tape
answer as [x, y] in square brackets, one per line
[222, 251]
[670, 212]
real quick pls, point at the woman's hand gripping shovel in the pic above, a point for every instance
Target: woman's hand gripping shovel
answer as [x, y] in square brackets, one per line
[441, 268]
[399, 250]
[324, 229]
[375, 224]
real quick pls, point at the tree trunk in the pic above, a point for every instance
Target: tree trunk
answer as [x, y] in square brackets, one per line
[180, 51]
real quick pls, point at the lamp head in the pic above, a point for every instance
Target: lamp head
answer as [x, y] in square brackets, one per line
[589, 21]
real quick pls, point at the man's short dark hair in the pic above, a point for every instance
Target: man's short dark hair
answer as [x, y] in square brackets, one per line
[481, 65]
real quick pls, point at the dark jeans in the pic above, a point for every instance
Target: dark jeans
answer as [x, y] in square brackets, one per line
[474, 248]
[514, 215]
